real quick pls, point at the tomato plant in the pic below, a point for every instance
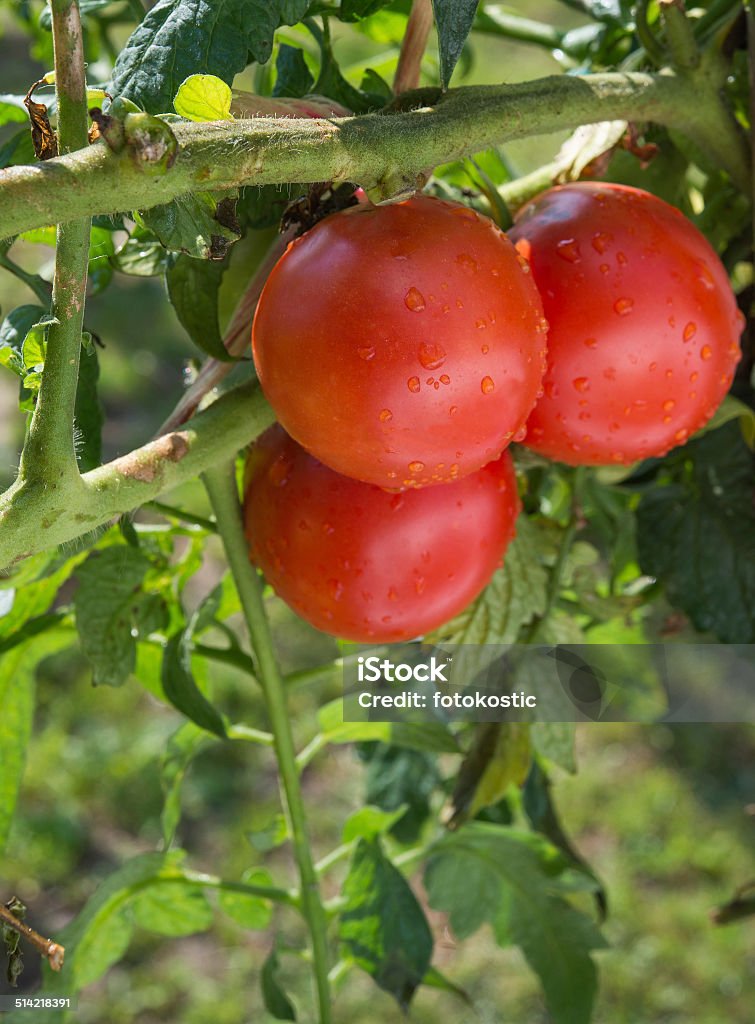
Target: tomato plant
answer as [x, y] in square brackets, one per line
[643, 325]
[428, 358]
[327, 543]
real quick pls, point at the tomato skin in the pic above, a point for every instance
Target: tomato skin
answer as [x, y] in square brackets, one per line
[643, 324]
[402, 345]
[361, 563]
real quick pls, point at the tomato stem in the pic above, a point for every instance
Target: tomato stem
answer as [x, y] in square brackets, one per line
[221, 488]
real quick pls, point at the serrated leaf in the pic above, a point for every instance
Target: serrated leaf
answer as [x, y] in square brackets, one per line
[696, 534]
[368, 822]
[399, 778]
[453, 19]
[17, 700]
[181, 689]
[107, 604]
[88, 414]
[182, 747]
[193, 288]
[492, 873]
[500, 756]
[178, 38]
[276, 1001]
[382, 926]
[142, 255]
[203, 98]
[188, 225]
[249, 911]
[172, 907]
[292, 76]
[13, 331]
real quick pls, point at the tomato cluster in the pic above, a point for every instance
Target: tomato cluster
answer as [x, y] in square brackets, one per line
[403, 347]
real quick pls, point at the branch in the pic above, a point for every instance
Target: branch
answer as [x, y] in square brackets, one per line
[221, 487]
[35, 517]
[53, 953]
[49, 453]
[371, 149]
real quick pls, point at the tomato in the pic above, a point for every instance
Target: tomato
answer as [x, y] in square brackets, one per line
[361, 563]
[644, 327]
[402, 345]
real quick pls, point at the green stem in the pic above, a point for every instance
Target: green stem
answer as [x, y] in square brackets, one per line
[499, 22]
[49, 456]
[171, 512]
[370, 149]
[680, 36]
[221, 488]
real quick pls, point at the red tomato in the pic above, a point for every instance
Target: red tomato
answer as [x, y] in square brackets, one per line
[364, 564]
[644, 327]
[402, 345]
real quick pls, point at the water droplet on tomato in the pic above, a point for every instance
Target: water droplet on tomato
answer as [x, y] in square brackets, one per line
[444, 378]
[668, 405]
[485, 349]
[419, 584]
[453, 410]
[653, 366]
[414, 300]
[385, 415]
[367, 352]
[704, 275]
[581, 384]
[431, 355]
[681, 435]
[416, 467]
[568, 249]
[392, 594]
[328, 529]
[621, 258]
[336, 589]
[520, 434]
[591, 342]
[693, 377]
[467, 262]
[413, 384]
[600, 241]
[690, 330]
[487, 384]
[604, 268]
[623, 306]
[480, 325]
[706, 352]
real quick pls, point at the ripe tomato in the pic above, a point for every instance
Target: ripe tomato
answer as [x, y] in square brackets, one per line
[644, 328]
[364, 564]
[402, 345]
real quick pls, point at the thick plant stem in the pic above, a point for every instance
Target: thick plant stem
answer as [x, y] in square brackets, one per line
[49, 453]
[371, 149]
[221, 488]
[413, 46]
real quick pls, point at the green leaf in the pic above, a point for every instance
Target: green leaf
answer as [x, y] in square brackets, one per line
[203, 98]
[430, 736]
[101, 249]
[292, 76]
[13, 331]
[351, 10]
[398, 778]
[382, 925]
[173, 907]
[178, 38]
[17, 672]
[696, 534]
[182, 691]
[12, 109]
[28, 595]
[555, 740]
[107, 605]
[368, 822]
[500, 756]
[434, 979]
[732, 409]
[34, 349]
[141, 255]
[182, 747]
[88, 414]
[277, 1002]
[509, 878]
[331, 83]
[453, 19]
[249, 911]
[19, 149]
[193, 289]
[189, 225]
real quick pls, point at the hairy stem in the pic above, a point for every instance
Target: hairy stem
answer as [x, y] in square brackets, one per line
[53, 953]
[49, 453]
[679, 35]
[36, 517]
[221, 488]
[371, 149]
[413, 46]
